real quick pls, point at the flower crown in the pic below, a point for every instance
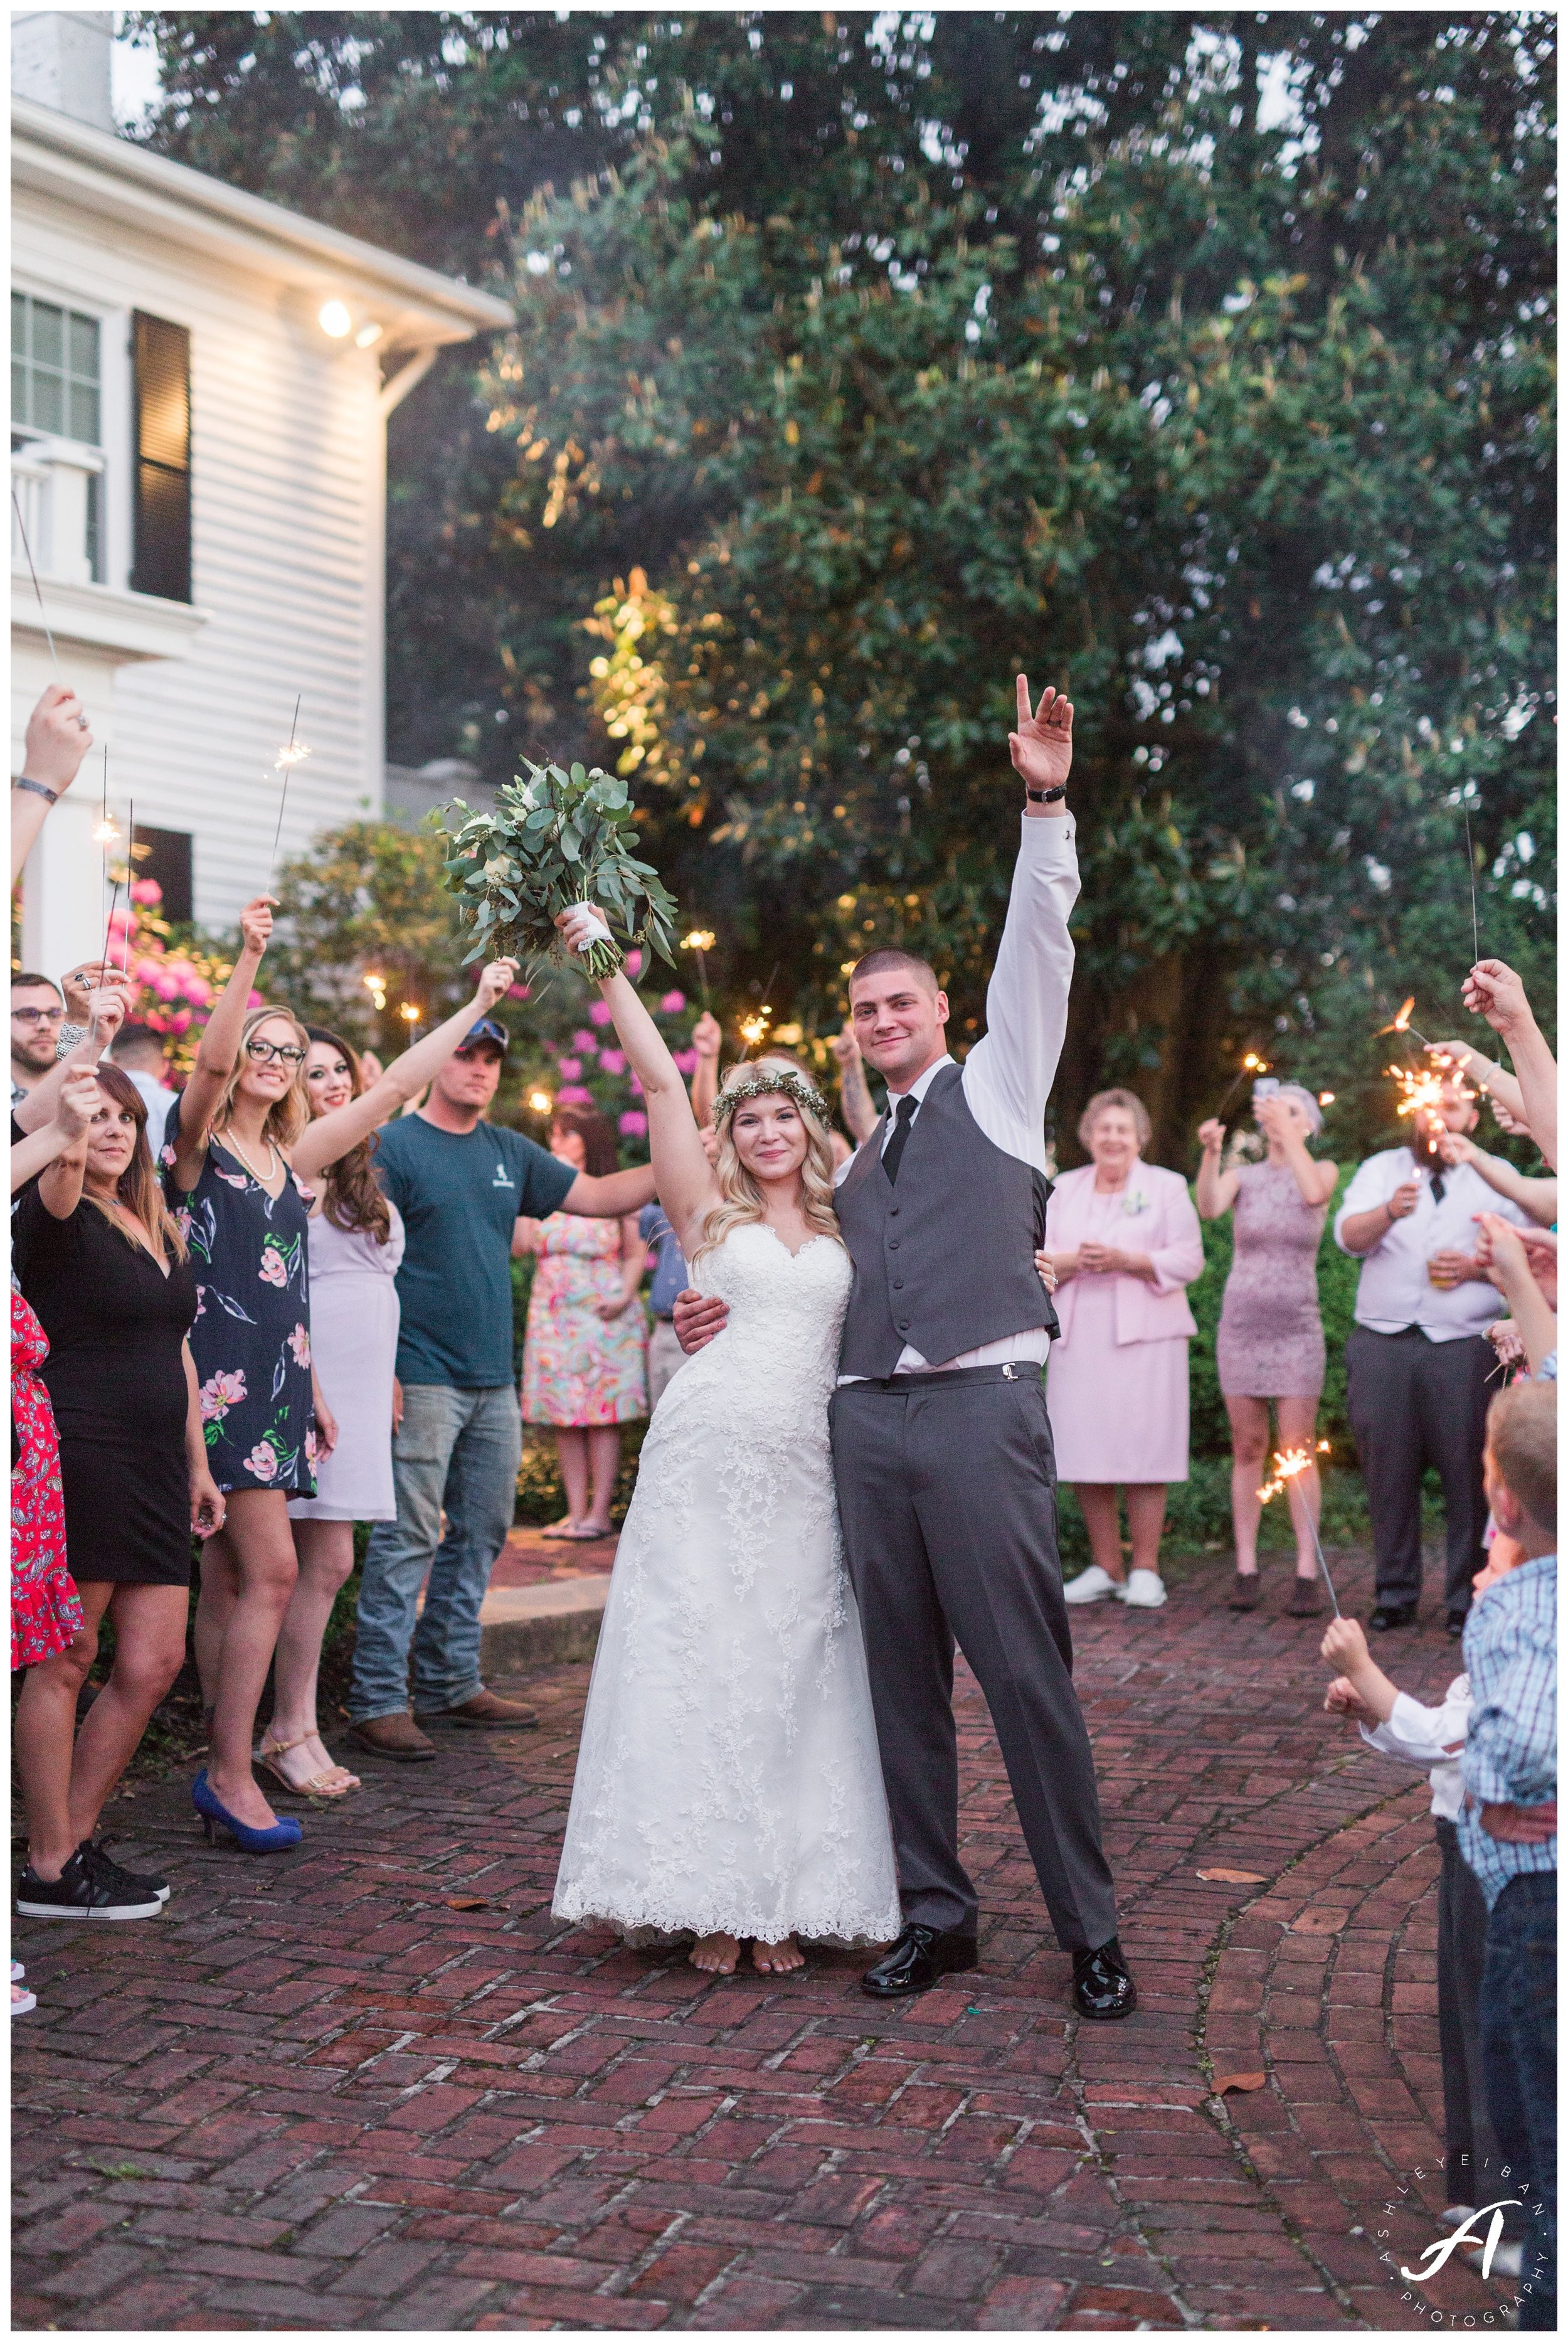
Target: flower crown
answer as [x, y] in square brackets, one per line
[769, 1078]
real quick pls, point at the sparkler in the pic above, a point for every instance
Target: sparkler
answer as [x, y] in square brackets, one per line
[540, 1101]
[753, 1028]
[293, 752]
[376, 987]
[701, 940]
[410, 1013]
[38, 591]
[1402, 1024]
[1470, 866]
[1290, 1463]
[1251, 1065]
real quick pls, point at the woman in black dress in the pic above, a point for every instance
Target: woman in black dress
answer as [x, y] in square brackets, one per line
[105, 1268]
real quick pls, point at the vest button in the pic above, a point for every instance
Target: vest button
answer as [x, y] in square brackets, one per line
[893, 1244]
[892, 1211]
[904, 1325]
[898, 1285]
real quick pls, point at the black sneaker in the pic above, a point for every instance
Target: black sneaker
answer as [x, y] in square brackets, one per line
[116, 1876]
[82, 1892]
[1390, 1614]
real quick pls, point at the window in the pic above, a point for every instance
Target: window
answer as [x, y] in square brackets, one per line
[162, 356]
[55, 374]
[56, 394]
[165, 855]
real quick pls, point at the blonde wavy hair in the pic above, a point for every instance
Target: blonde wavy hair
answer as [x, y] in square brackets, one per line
[741, 1199]
[289, 1116]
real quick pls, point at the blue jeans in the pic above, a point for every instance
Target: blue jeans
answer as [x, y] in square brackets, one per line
[457, 1450]
[1519, 2060]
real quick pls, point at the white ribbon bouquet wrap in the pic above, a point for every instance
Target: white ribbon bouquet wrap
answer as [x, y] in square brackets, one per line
[556, 841]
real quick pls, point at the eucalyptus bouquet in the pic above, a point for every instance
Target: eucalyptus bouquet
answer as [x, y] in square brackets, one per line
[555, 839]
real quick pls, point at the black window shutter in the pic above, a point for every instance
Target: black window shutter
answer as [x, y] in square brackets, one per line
[162, 368]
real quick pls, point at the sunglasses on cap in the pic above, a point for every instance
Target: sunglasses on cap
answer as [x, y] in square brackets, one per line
[485, 1034]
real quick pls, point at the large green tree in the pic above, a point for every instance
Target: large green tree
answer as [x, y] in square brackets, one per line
[1199, 363]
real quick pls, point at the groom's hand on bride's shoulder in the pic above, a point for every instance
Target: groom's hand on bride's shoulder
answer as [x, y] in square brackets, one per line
[698, 1316]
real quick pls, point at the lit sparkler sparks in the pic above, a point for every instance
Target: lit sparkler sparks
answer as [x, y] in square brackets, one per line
[1402, 1024]
[1290, 1463]
[1252, 1063]
[410, 1013]
[540, 1101]
[376, 987]
[701, 940]
[753, 1029]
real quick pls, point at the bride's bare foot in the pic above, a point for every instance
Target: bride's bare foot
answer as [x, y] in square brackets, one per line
[777, 1960]
[716, 1955]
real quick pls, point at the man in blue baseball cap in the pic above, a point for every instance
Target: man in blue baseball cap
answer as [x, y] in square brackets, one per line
[461, 1184]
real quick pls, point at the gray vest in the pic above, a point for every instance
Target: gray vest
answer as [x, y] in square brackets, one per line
[946, 1260]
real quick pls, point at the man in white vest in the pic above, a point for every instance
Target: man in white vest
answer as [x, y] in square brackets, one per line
[941, 1445]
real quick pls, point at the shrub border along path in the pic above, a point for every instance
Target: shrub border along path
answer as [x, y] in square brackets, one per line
[371, 2085]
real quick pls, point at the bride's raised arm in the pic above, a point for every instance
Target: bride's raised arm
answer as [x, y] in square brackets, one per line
[681, 1173]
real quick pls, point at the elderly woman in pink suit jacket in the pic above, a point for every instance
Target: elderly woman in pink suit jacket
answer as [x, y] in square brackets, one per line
[1124, 1241]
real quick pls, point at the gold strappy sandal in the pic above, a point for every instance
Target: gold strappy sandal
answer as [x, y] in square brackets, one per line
[335, 1784]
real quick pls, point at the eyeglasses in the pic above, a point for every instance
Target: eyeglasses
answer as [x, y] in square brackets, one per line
[38, 1015]
[288, 1052]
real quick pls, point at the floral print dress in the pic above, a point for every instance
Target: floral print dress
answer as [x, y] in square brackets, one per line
[251, 1339]
[580, 1370]
[46, 1608]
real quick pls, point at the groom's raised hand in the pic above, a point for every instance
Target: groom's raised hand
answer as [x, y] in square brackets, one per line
[1042, 747]
[698, 1316]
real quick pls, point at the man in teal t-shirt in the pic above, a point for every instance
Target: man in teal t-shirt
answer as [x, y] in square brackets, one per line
[461, 1186]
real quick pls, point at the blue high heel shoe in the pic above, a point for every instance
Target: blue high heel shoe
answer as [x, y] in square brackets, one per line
[275, 1840]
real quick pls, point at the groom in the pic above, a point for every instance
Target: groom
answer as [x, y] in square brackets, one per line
[941, 1445]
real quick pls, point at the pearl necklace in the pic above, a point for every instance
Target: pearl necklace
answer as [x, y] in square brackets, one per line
[232, 1143]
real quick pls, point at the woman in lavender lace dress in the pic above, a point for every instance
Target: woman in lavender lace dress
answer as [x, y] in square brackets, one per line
[1270, 1345]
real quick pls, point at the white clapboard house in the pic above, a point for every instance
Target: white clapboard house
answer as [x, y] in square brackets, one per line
[200, 383]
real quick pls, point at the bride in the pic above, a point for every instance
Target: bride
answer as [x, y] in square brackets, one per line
[728, 1781]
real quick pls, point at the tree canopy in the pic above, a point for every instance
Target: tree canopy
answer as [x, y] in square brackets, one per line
[1201, 365]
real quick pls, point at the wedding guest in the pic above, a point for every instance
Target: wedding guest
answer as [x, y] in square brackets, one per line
[1270, 1344]
[855, 1099]
[107, 1272]
[57, 740]
[37, 1014]
[1124, 1243]
[1536, 1198]
[584, 1370]
[1418, 1361]
[461, 1186]
[1522, 1265]
[356, 1250]
[1492, 990]
[138, 1052]
[1508, 1822]
[1397, 1725]
[244, 1214]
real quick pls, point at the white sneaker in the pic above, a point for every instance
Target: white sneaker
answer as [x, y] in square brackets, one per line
[1145, 1590]
[1091, 1585]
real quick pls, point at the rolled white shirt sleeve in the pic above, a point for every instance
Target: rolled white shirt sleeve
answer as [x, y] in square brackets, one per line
[1369, 1187]
[1008, 1073]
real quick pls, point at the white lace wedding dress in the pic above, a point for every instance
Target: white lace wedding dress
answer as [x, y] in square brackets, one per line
[728, 1776]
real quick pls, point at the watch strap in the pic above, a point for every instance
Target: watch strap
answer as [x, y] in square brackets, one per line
[38, 789]
[1045, 796]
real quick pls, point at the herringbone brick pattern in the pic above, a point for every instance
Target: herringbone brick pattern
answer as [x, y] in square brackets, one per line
[323, 2092]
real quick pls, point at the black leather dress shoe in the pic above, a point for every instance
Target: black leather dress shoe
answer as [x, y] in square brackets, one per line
[920, 1958]
[1390, 1614]
[1454, 1626]
[1101, 1985]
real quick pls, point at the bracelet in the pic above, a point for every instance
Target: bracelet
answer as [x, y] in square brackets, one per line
[36, 789]
[1045, 797]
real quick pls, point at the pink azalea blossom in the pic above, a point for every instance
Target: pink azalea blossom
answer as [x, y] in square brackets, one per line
[633, 964]
[518, 992]
[164, 985]
[180, 1021]
[599, 1014]
[672, 1004]
[145, 890]
[256, 1000]
[574, 1094]
[299, 1343]
[572, 1067]
[634, 1085]
[612, 1061]
[262, 1462]
[685, 1060]
[219, 1392]
[634, 1124]
[272, 1270]
[584, 1039]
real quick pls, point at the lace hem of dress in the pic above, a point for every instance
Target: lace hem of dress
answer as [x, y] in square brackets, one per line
[641, 1924]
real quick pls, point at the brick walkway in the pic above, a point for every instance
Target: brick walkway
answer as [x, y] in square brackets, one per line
[325, 2091]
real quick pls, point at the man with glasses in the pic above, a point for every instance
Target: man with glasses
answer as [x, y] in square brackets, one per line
[461, 1184]
[37, 1013]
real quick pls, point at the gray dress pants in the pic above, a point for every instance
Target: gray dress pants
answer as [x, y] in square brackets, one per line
[1412, 1402]
[947, 1493]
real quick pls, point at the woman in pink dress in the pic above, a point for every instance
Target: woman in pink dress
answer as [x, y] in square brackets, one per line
[1270, 1342]
[1124, 1242]
[584, 1353]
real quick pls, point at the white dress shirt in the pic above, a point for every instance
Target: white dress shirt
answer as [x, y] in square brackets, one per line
[1433, 1736]
[157, 1101]
[1393, 1290]
[1007, 1075]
